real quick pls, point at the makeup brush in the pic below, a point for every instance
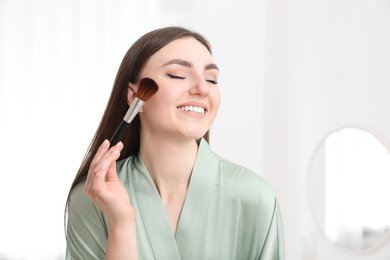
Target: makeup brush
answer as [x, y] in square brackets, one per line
[147, 88]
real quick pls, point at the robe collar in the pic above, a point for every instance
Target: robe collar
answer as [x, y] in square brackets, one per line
[203, 181]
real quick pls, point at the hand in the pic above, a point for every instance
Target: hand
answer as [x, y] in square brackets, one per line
[105, 189]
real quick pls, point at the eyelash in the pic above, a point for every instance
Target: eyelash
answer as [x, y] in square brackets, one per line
[174, 76]
[214, 82]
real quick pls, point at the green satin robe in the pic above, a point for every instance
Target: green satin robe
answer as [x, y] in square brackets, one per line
[229, 213]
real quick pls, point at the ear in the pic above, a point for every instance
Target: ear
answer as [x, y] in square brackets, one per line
[131, 93]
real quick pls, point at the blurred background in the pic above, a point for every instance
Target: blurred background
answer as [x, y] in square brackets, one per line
[292, 73]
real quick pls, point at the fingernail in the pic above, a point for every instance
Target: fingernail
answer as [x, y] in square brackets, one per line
[119, 144]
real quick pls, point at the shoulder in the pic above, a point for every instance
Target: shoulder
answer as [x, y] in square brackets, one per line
[243, 177]
[77, 196]
[239, 181]
[245, 185]
[80, 205]
[124, 167]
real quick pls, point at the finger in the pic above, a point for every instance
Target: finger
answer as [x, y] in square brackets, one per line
[111, 172]
[97, 172]
[99, 153]
[103, 148]
[110, 156]
[101, 174]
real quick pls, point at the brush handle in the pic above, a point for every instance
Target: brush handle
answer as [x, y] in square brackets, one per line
[130, 114]
[118, 133]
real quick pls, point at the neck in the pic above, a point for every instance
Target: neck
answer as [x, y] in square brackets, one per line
[169, 163]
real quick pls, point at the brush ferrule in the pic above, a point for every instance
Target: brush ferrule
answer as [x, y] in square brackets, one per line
[133, 110]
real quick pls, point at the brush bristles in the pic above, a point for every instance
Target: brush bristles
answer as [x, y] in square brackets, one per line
[147, 88]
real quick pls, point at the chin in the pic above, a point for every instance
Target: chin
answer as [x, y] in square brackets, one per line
[196, 135]
[194, 131]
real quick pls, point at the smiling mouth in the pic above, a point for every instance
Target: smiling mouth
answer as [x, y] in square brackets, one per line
[194, 109]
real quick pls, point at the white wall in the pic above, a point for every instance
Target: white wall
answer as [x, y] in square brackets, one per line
[327, 66]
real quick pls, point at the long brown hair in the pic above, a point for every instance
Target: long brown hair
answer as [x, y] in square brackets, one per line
[129, 71]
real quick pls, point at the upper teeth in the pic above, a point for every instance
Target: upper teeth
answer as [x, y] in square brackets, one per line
[195, 109]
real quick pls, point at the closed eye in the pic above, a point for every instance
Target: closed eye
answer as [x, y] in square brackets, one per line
[175, 76]
[212, 81]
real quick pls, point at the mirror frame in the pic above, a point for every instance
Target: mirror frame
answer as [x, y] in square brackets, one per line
[310, 201]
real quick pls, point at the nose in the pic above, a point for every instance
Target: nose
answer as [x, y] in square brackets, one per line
[200, 87]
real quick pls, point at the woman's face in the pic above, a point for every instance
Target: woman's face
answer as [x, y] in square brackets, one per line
[188, 98]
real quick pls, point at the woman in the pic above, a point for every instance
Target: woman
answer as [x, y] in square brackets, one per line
[162, 193]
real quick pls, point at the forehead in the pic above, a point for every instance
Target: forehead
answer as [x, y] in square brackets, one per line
[187, 48]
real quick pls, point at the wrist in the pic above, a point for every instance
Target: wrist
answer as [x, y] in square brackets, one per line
[119, 224]
[122, 240]
[123, 217]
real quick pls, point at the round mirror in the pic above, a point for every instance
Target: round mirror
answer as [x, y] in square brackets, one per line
[349, 189]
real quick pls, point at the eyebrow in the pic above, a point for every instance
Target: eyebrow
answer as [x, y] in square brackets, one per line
[188, 64]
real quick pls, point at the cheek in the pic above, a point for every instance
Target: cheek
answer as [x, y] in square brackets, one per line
[216, 99]
[159, 102]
